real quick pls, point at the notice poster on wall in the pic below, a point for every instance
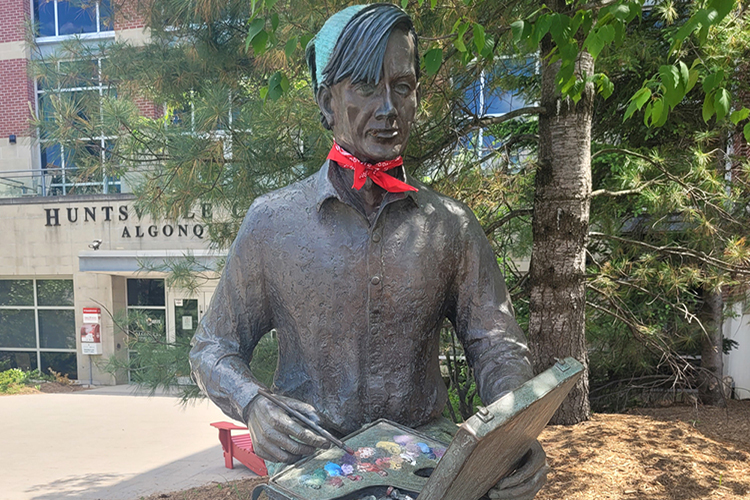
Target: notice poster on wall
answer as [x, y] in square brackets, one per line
[91, 337]
[187, 322]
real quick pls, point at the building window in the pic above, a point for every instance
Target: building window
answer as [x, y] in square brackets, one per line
[37, 326]
[484, 97]
[67, 170]
[56, 18]
[147, 316]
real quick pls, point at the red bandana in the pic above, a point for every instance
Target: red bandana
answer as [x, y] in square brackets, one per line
[375, 172]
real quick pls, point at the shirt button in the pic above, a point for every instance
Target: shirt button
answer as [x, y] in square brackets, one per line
[375, 280]
[375, 237]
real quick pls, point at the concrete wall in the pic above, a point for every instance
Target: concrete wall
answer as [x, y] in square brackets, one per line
[44, 238]
[737, 362]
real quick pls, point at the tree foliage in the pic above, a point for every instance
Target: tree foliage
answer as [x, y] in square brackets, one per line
[236, 119]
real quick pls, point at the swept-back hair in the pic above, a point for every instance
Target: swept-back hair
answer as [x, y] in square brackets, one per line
[360, 49]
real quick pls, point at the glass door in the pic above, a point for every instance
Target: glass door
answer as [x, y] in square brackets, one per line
[186, 317]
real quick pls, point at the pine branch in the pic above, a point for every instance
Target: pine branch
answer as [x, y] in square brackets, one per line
[495, 225]
[624, 192]
[476, 122]
[677, 251]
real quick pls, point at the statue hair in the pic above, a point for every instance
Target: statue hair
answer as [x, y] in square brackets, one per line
[360, 49]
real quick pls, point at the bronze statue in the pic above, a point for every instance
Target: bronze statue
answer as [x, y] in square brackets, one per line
[356, 267]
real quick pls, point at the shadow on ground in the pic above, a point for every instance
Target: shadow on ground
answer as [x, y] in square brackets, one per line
[106, 487]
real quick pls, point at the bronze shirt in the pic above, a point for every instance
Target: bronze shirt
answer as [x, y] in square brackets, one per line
[358, 305]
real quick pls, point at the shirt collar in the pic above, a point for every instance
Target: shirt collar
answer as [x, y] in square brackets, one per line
[326, 189]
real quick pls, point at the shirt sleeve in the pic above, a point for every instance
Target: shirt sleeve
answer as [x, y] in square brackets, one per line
[235, 321]
[482, 314]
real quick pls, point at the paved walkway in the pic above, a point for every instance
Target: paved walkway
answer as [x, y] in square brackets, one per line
[107, 443]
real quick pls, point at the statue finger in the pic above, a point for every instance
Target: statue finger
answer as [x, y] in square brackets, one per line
[304, 408]
[271, 452]
[525, 491]
[281, 439]
[305, 435]
[531, 463]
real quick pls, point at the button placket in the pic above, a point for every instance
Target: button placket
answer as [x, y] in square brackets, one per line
[374, 301]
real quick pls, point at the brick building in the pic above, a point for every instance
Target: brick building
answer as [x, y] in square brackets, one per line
[71, 244]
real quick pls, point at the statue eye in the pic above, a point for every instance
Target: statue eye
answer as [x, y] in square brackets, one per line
[365, 89]
[403, 88]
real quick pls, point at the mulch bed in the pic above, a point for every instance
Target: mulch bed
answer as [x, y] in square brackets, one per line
[675, 453]
[49, 388]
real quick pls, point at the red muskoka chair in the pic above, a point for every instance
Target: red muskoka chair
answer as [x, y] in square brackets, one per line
[239, 447]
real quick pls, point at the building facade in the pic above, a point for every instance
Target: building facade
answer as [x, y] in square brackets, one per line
[74, 250]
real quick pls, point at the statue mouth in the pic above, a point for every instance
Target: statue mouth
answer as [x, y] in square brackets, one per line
[385, 134]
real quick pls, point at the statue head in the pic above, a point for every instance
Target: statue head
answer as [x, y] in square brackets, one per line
[364, 65]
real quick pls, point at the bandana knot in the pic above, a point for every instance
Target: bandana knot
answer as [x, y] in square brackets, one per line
[375, 171]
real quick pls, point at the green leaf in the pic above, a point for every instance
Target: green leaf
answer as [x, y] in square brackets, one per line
[710, 82]
[404, 4]
[558, 28]
[621, 11]
[739, 115]
[270, 4]
[284, 83]
[432, 60]
[637, 101]
[607, 33]
[588, 21]
[290, 46]
[263, 92]
[722, 102]
[255, 27]
[478, 37]
[708, 107]
[594, 44]
[274, 21]
[541, 28]
[684, 74]
[632, 108]
[304, 40]
[692, 80]
[459, 41]
[606, 87]
[746, 131]
[433, 4]
[647, 113]
[259, 42]
[274, 80]
[517, 29]
[575, 23]
[657, 109]
[619, 33]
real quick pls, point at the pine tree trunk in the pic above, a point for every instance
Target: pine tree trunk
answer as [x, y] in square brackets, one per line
[560, 229]
[711, 388]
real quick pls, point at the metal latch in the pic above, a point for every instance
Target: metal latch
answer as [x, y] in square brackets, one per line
[562, 365]
[484, 414]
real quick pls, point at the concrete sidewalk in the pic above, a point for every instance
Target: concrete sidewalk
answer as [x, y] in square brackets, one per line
[107, 443]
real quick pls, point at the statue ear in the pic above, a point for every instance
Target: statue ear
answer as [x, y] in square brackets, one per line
[324, 103]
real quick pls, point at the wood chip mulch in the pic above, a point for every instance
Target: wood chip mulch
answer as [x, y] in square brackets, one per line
[676, 453]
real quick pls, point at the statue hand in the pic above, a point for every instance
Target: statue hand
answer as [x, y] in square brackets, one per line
[276, 436]
[527, 480]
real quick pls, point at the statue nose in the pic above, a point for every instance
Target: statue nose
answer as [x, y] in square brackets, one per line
[387, 109]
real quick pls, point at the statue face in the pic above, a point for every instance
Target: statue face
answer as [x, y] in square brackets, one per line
[371, 121]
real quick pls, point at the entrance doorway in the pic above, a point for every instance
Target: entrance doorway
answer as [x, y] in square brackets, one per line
[164, 314]
[185, 312]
